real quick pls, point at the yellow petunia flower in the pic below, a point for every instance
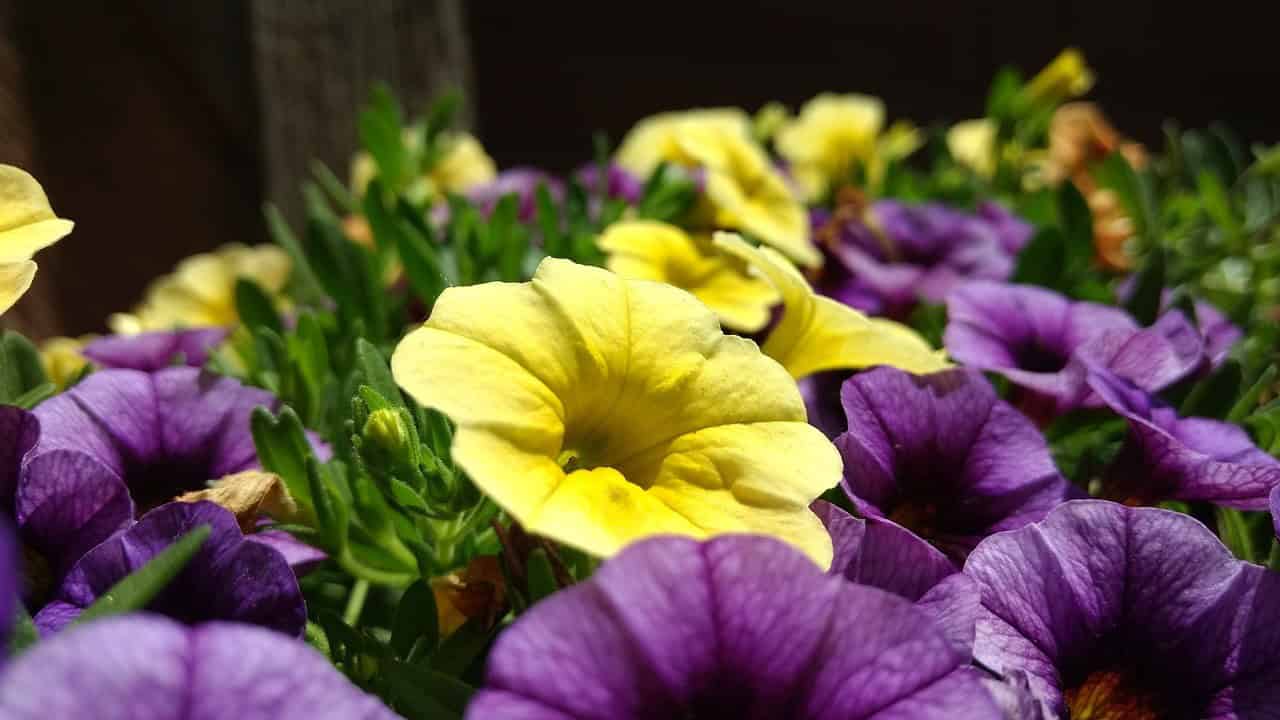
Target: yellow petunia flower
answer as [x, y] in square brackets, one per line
[598, 410]
[972, 143]
[1066, 76]
[835, 133]
[27, 225]
[464, 165]
[201, 290]
[649, 250]
[817, 333]
[741, 188]
[61, 358]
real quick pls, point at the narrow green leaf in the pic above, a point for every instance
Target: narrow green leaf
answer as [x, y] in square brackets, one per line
[1077, 227]
[20, 367]
[1043, 260]
[139, 587]
[35, 396]
[463, 647]
[23, 634]
[542, 579]
[1233, 529]
[1248, 402]
[255, 307]
[1144, 303]
[331, 516]
[1214, 396]
[283, 449]
[377, 374]
[415, 629]
[334, 187]
[420, 693]
[380, 125]
[301, 274]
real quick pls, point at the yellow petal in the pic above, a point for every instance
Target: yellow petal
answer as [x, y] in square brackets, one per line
[817, 333]
[463, 167]
[650, 250]
[654, 140]
[1065, 77]
[61, 358]
[15, 279]
[831, 135]
[972, 144]
[570, 390]
[27, 223]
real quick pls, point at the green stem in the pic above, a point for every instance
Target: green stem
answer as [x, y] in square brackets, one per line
[1274, 561]
[355, 602]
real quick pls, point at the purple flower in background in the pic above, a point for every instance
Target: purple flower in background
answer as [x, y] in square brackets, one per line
[1171, 458]
[122, 442]
[619, 182]
[903, 254]
[151, 351]
[229, 578]
[942, 456]
[1275, 510]
[146, 667]
[1217, 330]
[1043, 341]
[736, 627]
[523, 182]
[1120, 612]
[9, 587]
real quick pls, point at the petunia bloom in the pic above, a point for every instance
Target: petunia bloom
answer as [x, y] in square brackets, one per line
[1275, 510]
[741, 188]
[151, 351]
[818, 333]
[63, 359]
[463, 166]
[201, 290]
[1170, 458]
[1119, 612]
[27, 225]
[619, 183]
[598, 410]
[1042, 342]
[1066, 76]
[944, 457]
[898, 255]
[650, 250]
[523, 182]
[736, 627]
[146, 667]
[229, 578]
[1219, 333]
[834, 134]
[122, 442]
[972, 143]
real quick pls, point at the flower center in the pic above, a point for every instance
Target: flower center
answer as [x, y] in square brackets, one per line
[920, 518]
[155, 483]
[1113, 695]
[1037, 358]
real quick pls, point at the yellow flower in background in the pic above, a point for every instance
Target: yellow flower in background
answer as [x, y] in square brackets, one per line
[27, 224]
[835, 133]
[649, 250]
[201, 290]
[817, 333]
[598, 410]
[61, 358]
[656, 139]
[742, 190]
[464, 166]
[768, 120]
[972, 143]
[1067, 76]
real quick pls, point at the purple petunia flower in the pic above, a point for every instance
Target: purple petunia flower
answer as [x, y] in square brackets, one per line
[151, 351]
[736, 627]
[944, 457]
[907, 253]
[145, 667]
[1113, 611]
[1217, 330]
[19, 431]
[1171, 458]
[9, 587]
[229, 578]
[1043, 341]
[523, 182]
[122, 442]
[619, 182]
[1275, 510]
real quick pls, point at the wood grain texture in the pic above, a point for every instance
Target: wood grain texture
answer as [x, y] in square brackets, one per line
[315, 61]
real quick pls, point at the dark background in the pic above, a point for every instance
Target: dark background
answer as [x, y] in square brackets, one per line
[158, 126]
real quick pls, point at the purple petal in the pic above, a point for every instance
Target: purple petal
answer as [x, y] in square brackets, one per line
[109, 416]
[944, 456]
[953, 604]
[882, 554]
[68, 502]
[203, 415]
[229, 578]
[1193, 459]
[9, 584]
[1057, 595]
[301, 557]
[1275, 510]
[619, 183]
[19, 431]
[1153, 358]
[738, 626]
[153, 351]
[144, 667]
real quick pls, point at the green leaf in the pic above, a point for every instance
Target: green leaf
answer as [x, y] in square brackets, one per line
[302, 275]
[1216, 203]
[420, 693]
[1214, 396]
[23, 633]
[1077, 227]
[553, 240]
[380, 126]
[415, 629]
[283, 449]
[1233, 529]
[1144, 303]
[463, 647]
[334, 187]
[20, 367]
[331, 515]
[255, 307]
[1248, 402]
[1043, 260]
[1006, 86]
[35, 396]
[542, 578]
[377, 375]
[140, 586]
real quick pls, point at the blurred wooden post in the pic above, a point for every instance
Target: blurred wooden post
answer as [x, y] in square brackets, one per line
[315, 61]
